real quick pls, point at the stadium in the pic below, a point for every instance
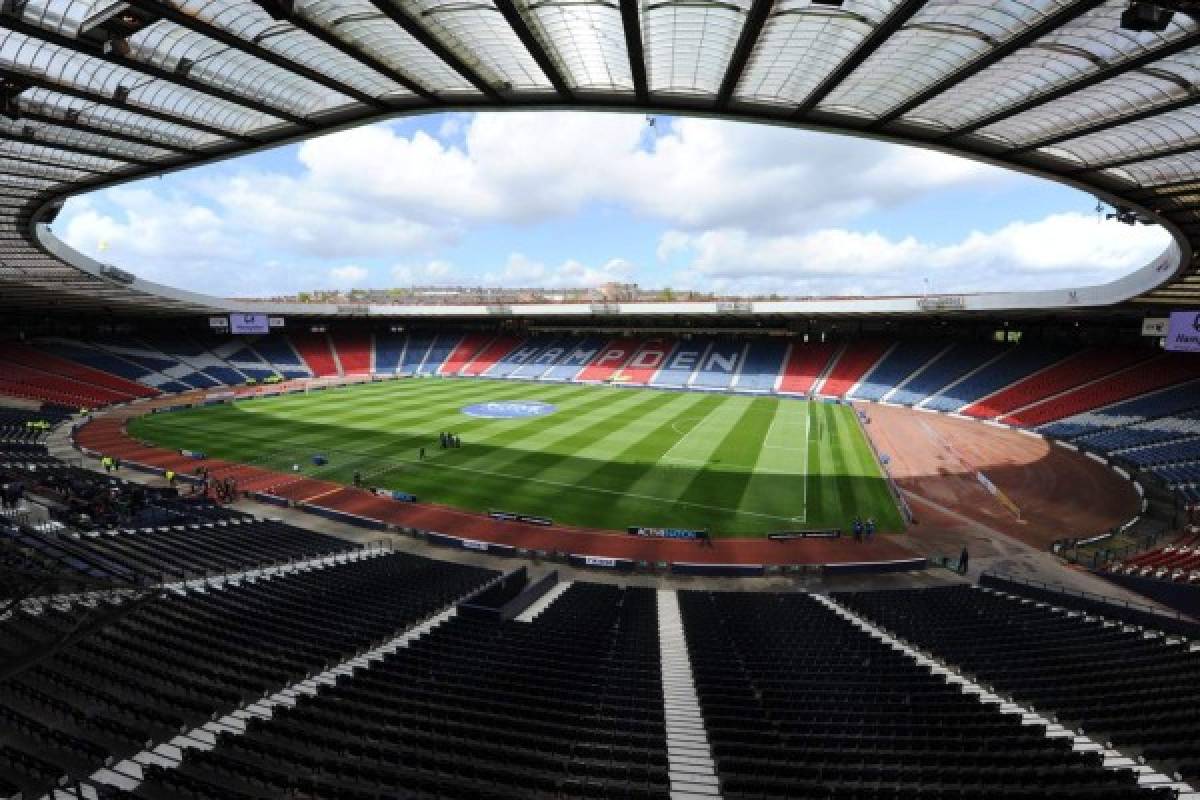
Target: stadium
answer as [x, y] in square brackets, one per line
[597, 542]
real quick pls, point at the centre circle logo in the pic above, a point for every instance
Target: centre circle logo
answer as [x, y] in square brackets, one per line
[511, 410]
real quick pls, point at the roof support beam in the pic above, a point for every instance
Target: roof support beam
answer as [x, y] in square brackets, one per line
[633, 45]
[99, 99]
[28, 191]
[1177, 150]
[756, 19]
[512, 15]
[433, 45]
[368, 60]
[998, 53]
[45, 161]
[174, 15]
[1079, 84]
[18, 170]
[51, 144]
[119, 136]
[866, 48]
[1104, 125]
[1167, 189]
[149, 70]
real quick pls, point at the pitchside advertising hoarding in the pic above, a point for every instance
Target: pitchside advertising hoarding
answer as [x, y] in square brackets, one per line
[1183, 332]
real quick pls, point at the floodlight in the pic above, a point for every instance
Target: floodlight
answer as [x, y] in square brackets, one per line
[1142, 16]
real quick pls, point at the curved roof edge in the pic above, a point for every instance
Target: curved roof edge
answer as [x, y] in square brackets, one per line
[172, 300]
[1065, 90]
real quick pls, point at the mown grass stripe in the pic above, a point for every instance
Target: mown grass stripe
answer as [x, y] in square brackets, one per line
[491, 484]
[608, 457]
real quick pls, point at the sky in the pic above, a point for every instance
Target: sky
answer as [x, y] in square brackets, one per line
[576, 199]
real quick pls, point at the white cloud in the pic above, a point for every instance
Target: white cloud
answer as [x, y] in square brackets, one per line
[737, 203]
[348, 277]
[1058, 251]
[436, 271]
[524, 167]
[522, 271]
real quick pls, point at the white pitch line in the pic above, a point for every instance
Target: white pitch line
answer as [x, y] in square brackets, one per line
[666, 457]
[807, 446]
[584, 487]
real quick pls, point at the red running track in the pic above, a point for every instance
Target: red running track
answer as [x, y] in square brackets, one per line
[107, 435]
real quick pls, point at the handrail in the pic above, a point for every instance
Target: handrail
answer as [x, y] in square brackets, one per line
[1103, 598]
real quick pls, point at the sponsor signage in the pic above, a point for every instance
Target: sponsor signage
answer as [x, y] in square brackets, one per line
[404, 497]
[248, 323]
[509, 410]
[1183, 331]
[218, 323]
[508, 516]
[783, 536]
[942, 302]
[599, 561]
[274, 322]
[471, 544]
[668, 533]
[1155, 326]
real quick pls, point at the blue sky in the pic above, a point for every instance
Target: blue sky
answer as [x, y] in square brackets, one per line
[574, 199]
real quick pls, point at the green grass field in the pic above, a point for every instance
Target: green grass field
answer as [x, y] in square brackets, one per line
[607, 457]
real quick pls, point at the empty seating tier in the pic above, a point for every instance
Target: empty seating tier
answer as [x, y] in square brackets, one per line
[566, 706]
[1150, 376]
[1080, 369]
[852, 364]
[195, 549]
[314, 348]
[799, 703]
[1114, 683]
[169, 663]
[805, 365]
[353, 351]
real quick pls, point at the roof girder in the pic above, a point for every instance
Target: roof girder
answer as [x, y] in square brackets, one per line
[173, 15]
[129, 138]
[1001, 51]
[882, 32]
[365, 58]
[42, 82]
[149, 70]
[632, 27]
[1104, 125]
[756, 19]
[512, 15]
[1079, 84]
[431, 43]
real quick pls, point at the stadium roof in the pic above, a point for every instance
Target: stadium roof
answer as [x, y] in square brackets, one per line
[95, 93]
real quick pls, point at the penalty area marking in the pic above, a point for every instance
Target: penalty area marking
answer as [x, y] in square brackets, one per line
[666, 458]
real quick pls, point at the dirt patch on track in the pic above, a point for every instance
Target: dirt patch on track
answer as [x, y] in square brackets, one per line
[1044, 491]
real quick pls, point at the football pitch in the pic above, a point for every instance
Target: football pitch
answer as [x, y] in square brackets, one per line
[596, 456]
